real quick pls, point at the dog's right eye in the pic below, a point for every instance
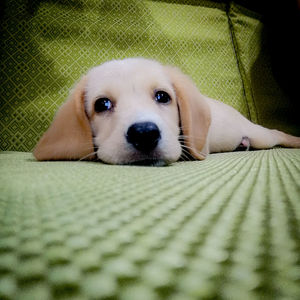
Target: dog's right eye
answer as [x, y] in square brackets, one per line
[103, 104]
[162, 97]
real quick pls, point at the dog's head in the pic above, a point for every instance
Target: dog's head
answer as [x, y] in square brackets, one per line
[132, 111]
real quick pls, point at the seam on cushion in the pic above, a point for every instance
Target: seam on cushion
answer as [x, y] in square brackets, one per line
[241, 70]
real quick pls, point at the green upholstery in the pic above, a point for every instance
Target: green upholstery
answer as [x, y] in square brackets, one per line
[46, 46]
[223, 228]
[226, 227]
[267, 103]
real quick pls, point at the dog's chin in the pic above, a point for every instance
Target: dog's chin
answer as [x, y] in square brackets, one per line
[155, 158]
[137, 159]
[149, 162]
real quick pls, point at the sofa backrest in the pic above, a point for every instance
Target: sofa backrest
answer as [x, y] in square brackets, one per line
[46, 46]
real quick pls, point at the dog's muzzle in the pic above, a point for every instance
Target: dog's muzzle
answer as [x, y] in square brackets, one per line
[143, 136]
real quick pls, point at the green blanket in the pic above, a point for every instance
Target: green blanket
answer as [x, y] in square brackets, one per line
[225, 228]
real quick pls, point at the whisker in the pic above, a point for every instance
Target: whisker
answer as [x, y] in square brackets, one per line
[86, 156]
[186, 148]
[185, 156]
[184, 137]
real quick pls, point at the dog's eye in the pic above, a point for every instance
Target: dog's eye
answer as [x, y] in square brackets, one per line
[103, 104]
[162, 97]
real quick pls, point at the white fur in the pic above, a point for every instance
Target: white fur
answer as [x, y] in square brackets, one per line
[131, 84]
[208, 125]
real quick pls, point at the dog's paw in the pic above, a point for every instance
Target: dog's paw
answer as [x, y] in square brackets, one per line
[244, 144]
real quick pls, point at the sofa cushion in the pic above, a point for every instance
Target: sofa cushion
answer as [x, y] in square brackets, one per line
[226, 227]
[46, 46]
[267, 103]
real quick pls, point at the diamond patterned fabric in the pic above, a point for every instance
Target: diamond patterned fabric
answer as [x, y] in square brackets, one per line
[267, 103]
[46, 46]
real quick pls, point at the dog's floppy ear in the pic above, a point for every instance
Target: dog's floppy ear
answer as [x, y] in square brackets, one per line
[194, 113]
[69, 136]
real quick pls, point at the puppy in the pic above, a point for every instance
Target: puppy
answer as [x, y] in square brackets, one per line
[137, 111]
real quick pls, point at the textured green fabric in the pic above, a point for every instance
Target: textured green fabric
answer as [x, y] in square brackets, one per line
[47, 45]
[267, 103]
[225, 228]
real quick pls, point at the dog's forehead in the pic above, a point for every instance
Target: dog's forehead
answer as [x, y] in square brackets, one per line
[123, 74]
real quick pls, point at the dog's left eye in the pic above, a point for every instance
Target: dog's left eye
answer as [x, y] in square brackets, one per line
[102, 104]
[162, 97]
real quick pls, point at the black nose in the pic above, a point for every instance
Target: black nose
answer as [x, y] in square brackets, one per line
[143, 136]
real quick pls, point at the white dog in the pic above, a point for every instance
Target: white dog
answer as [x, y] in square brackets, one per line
[137, 111]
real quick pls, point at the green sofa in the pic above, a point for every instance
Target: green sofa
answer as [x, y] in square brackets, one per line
[227, 227]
